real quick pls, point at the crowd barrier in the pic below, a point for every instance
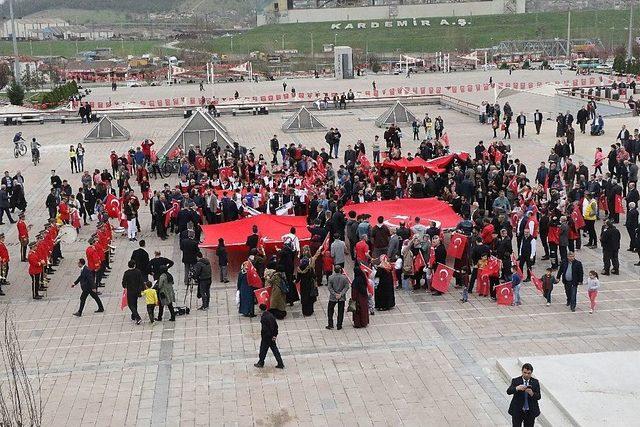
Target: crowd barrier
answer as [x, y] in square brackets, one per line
[379, 93]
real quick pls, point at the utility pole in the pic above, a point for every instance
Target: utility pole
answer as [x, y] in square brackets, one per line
[312, 55]
[569, 37]
[16, 64]
[630, 39]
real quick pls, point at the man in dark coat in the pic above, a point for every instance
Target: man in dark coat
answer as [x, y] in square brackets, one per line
[571, 273]
[610, 241]
[87, 282]
[268, 335]
[141, 257]
[189, 248]
[133, 282]
[526, 392]
[631, 225]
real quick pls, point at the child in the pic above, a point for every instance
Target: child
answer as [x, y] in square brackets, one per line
[151, 298]
[548, 280]
[223, 260]
[398, 270]
[327, 264]
[593, 284]
[462, 278]
[516, 282]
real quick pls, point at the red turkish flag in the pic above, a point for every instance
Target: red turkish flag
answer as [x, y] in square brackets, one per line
[364, 161]
[546, 183]
[493, 267]
[618, 204]
[602, 203]
[418, 262]
[484, 282]
[253, 279]
[225, 173]
[325, 244]
[514, 261]
[201, 163]
[577, 218]
[445, 139]
[441, 278]
[497, 155]
[504, 294]
[457, 245]
[263, 296]
[537, 282]
[513, 185]
[112, 206]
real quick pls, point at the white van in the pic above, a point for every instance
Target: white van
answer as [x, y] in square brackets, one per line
[559, 66]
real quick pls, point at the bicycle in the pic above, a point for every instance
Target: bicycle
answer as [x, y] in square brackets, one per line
[169, 166]
[19, 148]
[35, 156]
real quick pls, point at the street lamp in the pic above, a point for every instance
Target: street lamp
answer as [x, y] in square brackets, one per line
[335, 39]
[283, 42]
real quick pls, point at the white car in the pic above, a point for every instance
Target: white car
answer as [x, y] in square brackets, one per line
[559, 66]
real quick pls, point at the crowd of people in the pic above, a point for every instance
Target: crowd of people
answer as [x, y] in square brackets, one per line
[514, 217]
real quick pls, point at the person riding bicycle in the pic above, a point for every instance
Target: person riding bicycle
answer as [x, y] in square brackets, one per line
[35, 145]
[17, 138]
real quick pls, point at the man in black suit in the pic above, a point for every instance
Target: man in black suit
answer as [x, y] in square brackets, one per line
[132, 281]
[524, 404]
[537, 120]
[87, 283]
[141, 257]
[571, 273]
[268, 336]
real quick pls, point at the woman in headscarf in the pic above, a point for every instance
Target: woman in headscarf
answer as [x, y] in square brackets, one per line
[274, 279]
[384, 294]
[360, 295]
[18, 200]
[166, 293]
[246, 306]
[306, 275]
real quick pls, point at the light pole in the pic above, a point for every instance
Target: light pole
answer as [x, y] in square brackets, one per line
[16, 65]
[232, 44]
[335, 39]
[283, 42]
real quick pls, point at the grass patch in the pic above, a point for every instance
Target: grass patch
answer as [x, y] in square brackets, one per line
[484, 31]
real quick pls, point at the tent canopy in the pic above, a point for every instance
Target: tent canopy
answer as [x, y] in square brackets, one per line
[419, 165]
[303, 121]
[199, 130]
[270, 227]
[396, 211]
[107, 130]
[397, 113]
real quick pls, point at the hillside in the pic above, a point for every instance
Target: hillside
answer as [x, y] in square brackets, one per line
[27, 7]
[482, 31]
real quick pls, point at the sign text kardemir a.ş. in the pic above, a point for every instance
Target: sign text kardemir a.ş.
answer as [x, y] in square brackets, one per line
[399, 23]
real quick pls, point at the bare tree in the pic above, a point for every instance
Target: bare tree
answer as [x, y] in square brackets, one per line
[20, 400]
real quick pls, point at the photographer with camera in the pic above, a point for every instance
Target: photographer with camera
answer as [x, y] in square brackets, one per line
[201, 275]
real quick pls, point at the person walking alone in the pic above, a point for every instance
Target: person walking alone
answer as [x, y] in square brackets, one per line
[593, 285]
[268, 336]
[524, 404]
[87, 283]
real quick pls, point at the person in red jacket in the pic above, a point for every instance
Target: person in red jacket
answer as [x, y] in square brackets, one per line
[23, 237]
[4, 263]
[35, 270]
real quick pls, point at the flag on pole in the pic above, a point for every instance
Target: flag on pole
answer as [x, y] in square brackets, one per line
[504, 294]
[536, 281]
[441, 278]
[619, 207]
[253, 278]
[418, 262]
[263, 296]
[457, 245]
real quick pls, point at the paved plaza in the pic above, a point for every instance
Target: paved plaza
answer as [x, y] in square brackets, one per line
[430, 361]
